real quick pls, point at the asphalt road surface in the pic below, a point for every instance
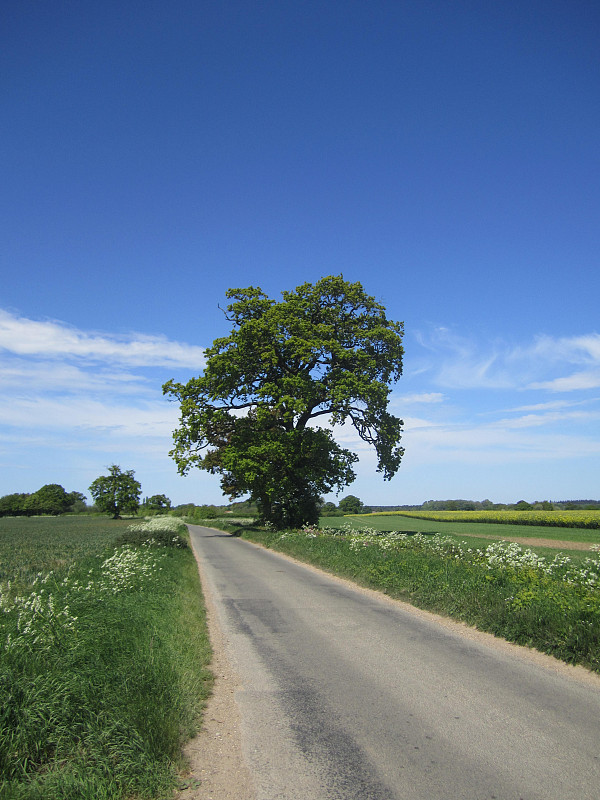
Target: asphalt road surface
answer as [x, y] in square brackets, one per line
[347, 695]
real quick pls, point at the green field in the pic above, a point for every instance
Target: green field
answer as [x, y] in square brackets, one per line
[458, 527]
[577, 518]
[103, 658]
[29, 545]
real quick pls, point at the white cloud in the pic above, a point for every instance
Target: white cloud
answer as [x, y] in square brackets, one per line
[583, 349]
[70, 397]
[53, 339]
[553, 404]
[545, 363]
[425, 397]
[73, 416]
[494, 443]
[552, 418]
[578, 381]
[21, 375]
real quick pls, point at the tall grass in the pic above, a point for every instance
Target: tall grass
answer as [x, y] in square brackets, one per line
[102, 670]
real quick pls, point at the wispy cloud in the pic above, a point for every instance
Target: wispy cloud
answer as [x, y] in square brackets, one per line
[417, 399]
[71, 396]
[550, 418]
[54, 339]
[23, 376]
[578, 381]
[573, 349]
[497, 443]
[75, 415]
[456, 361]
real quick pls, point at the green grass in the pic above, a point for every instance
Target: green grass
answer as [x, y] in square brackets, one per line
[399, 522]
[520, 602]
[98, 696]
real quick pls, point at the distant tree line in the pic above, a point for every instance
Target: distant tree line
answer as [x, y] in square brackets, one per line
[50, 499]
[482, 505]
[115, 493]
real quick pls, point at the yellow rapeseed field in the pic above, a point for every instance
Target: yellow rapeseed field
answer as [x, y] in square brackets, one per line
[561, 519]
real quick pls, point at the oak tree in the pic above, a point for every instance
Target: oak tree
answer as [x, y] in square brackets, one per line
[116, 492]
[326, 353]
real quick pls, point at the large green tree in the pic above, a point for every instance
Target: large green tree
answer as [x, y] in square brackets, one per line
[116, 492]
[326, 352]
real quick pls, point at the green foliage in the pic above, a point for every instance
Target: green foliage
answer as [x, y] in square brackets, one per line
[158, 502]
[205, 512]
[330, 509]
[116, 492]
[13, 505]
[50, 499]
[351, 505]
[102, 668]
[326, 350]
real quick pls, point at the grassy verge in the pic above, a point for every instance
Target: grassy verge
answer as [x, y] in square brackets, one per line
[551, 605]
[102, 661]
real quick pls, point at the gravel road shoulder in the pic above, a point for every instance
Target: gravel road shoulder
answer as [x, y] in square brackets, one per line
[216, 766]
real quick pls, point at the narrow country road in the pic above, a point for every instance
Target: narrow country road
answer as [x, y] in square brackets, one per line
[347, 695]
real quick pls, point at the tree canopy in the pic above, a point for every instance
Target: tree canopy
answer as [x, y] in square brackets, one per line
[326, 352]
[116, 492]
[158, 502]
[50, 499]
[351, 504]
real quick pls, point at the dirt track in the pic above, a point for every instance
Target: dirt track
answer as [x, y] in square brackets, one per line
[531, 542]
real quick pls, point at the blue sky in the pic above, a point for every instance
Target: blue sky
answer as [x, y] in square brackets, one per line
[444, 154]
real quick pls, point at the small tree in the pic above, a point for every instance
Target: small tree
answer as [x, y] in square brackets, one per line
[351, 505]
[116, 492]
[326, 351]
[158, 502]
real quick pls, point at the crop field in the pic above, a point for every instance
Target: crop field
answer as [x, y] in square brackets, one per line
[561, 519]
[456, 526]
[29, 545]
[103, 654]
